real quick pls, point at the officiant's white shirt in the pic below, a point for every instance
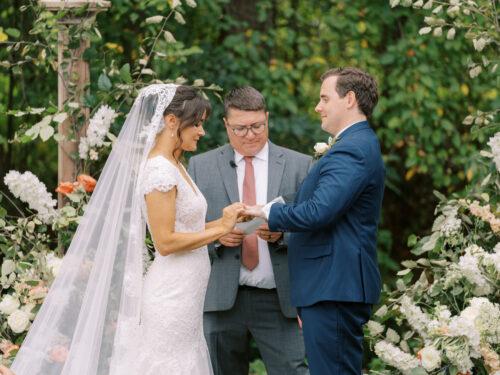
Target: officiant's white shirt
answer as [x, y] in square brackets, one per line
[261, 276]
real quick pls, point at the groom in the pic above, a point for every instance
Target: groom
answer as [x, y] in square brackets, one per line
[332, 248]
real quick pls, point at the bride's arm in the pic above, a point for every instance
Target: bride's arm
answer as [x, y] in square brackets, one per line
[161, 217]
[212, 224]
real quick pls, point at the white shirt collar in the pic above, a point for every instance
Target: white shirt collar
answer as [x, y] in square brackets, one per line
[347, 127]
[263, 154]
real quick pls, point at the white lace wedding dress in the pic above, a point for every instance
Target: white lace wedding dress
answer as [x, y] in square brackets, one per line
[174, 286]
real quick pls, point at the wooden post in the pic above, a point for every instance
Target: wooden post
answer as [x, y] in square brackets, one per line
[74, 71]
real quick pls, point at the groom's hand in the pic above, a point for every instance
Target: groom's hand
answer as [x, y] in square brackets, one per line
[264, 233]
[232, 239]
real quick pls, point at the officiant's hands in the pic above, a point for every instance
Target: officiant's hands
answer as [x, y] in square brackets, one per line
[264, 233]
[233, 239]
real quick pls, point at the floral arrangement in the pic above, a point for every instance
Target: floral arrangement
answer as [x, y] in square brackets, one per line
[31, 250]
[444, 316]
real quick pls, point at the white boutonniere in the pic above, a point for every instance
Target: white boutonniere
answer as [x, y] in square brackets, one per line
[322, 148]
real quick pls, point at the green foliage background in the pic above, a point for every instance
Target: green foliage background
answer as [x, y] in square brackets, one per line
[282, 48]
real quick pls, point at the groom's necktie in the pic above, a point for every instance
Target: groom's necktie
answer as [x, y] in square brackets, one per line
[250, 248]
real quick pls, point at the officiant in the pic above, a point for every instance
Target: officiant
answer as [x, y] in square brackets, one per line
[248, 293]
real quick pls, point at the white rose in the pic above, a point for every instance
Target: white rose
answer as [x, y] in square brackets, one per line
[18, 321]
[9, 304]
[321, 147]
[8, 266]
[28, 308]
[430, 358]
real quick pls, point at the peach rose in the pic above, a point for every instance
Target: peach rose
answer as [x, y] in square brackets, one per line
[65, 188]
[87, 182]
[38, 292]
[10, 349]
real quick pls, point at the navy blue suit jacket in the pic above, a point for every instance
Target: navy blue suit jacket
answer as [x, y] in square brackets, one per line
[332, 248]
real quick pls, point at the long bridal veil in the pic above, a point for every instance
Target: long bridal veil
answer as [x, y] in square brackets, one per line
[89, 321]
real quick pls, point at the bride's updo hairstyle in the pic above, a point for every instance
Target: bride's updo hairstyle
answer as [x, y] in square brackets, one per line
[188, 105]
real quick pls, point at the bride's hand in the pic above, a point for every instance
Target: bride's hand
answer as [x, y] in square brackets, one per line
[230, 216]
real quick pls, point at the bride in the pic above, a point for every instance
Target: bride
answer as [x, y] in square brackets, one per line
[102, 316]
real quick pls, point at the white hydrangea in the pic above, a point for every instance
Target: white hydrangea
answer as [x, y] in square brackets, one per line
[99, 126]
[459, 358]
[451, 224]
[417, 319]
[493, 259]
[430, 358]
[28, 188]
[463, 326]
[494, 143]
[486, 318]
[469, 267]
[395, 357]
[443, 314]
[9, 304]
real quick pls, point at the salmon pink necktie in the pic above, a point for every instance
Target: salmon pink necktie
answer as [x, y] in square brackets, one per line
[250, 249]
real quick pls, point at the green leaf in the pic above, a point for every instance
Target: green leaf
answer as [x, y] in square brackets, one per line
[404, 272]
[125, 73]
[440, 196]
[89, 100]
[15, 33]
[74, 197]
[104, 83]
[409, 264]
[412, 240]
[3, 212]
[46, 132]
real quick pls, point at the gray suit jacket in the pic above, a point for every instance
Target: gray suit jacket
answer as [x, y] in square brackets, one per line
[216, 178]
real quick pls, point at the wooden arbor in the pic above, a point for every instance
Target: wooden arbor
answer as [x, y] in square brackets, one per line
[73, 72]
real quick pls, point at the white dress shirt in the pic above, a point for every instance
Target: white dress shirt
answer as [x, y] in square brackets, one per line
[261, 276]
[267, 208]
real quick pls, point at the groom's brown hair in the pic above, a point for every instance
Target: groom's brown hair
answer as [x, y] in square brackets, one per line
[358, 81]
[244, 98]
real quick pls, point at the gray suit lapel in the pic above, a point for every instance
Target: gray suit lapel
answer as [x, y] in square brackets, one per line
[228, 173]
[276, 167]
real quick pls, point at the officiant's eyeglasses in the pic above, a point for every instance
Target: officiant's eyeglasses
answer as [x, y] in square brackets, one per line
[242, 130]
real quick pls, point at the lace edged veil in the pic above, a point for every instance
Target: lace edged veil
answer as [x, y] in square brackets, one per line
[89, 322]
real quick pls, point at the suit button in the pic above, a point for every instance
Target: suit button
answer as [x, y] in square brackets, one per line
[237, 256]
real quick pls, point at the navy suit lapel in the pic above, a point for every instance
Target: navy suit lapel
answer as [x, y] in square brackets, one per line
[275, 168]
[228, 172]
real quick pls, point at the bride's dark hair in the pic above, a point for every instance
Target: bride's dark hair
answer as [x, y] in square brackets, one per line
[188, 105]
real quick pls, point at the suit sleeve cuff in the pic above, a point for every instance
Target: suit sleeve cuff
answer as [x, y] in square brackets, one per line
[267, 210]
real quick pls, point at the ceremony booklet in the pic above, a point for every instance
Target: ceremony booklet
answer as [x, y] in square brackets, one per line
[249, 227]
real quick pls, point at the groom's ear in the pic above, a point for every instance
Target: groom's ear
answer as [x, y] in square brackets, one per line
[351, 99]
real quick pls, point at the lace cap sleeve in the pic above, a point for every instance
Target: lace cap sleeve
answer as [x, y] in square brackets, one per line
[159, 175]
